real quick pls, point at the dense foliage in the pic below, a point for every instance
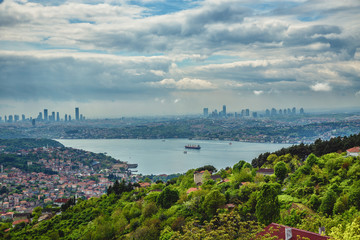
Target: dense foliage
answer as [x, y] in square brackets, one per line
[319, 148]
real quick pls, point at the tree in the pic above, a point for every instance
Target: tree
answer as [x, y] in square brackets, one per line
[209, 168]
[213, 200]
[238, 166]
[312, 160]
[328, 202]
[167, 197]
[280, 171]
[268, 206]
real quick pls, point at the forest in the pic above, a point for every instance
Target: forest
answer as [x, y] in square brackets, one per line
[321, 190]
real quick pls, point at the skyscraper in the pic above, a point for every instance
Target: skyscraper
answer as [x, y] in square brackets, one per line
[77, 116]
[39, 118]
[66, 117]
[53, 116]
[57, 116]
[224, 110]
[206, 112]
[45, 115]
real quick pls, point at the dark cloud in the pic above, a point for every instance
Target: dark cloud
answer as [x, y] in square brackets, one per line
[68, 78]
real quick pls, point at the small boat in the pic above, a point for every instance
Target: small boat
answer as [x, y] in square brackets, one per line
[185, 152]
[193, 147]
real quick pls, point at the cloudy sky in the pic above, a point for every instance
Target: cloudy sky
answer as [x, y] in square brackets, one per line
[146, 57]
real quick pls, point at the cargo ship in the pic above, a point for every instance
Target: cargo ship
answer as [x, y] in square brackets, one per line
[193, 147]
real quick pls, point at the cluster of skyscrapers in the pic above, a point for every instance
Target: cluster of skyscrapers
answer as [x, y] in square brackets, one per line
[246, 113]
[44, 116]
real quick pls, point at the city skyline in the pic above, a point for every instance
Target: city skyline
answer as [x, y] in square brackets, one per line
[162, 57]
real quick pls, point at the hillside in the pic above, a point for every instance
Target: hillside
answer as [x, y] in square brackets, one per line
[234, 203]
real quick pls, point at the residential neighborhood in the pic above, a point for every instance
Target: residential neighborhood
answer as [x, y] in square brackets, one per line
[70, 172]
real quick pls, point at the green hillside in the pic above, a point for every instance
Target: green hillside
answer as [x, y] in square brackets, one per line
[319, 191]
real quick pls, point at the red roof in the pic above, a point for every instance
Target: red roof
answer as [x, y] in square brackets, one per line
[20, 221]
[265, 170]
[191, 190]
[62, 200]
[354, 150]
[279, 231]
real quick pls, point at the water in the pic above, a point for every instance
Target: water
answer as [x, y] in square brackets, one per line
[158, 156]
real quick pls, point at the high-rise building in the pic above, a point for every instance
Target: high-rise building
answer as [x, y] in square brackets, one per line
[66, 117]
[39, 117]
[77, 114]
[10, 119]
[301, 111]
[224, 110]
[206, 112]
[273, 112]
[46, 115]
[23, 117]
[293, 111]
[69, 118]
[57, 116]
[280, 112]
[53, 116]
[267, 113]
[33, 122]
[16, 118]
[247, 112]
[254, 114]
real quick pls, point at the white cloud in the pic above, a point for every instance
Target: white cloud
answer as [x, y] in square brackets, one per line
[185, 84]
[258, 92]
[321, 87]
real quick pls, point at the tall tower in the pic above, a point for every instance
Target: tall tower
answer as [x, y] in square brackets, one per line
[224, 110]
[206, 112]
[57, 116]
[77, 116]
[46, 115]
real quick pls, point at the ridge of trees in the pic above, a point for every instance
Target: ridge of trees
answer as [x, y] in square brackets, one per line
[319, 148]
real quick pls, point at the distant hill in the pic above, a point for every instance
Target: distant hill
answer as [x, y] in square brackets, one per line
[13, 145]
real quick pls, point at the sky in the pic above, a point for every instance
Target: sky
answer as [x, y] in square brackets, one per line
[117, 58]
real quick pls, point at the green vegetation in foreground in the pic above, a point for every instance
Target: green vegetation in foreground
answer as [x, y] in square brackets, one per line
[320, 191]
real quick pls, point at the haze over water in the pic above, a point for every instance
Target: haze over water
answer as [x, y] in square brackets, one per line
[156, 156]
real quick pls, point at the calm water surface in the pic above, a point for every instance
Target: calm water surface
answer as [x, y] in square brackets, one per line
[158, 156]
